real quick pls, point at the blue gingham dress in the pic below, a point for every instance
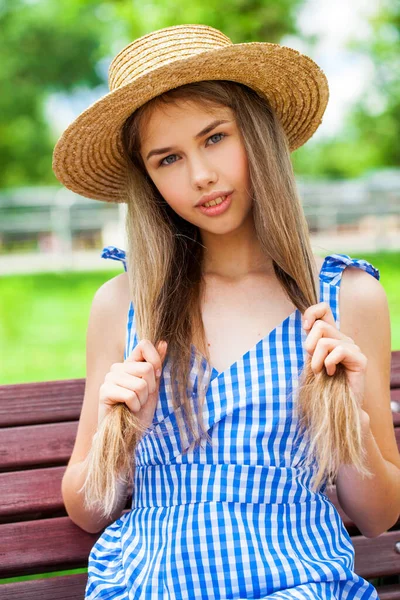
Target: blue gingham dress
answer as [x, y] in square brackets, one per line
[236, 519]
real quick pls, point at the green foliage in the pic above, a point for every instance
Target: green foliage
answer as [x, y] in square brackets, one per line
[370, 133]
[377, 116]
[49, 47]
[65, 47]
[338, 158]
[241, 20]
[44, 47]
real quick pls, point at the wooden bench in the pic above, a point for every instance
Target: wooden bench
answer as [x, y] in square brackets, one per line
[38, 424]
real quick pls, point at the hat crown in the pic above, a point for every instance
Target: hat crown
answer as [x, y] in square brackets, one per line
[158, 48]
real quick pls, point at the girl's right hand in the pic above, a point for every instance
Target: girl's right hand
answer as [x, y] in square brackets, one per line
[134, 382]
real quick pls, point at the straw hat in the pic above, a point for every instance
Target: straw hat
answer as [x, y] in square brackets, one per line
[89, 158]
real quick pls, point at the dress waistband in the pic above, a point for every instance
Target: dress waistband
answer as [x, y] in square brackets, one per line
[185, 483]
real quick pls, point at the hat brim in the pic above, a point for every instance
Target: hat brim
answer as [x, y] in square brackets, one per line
[89, 159]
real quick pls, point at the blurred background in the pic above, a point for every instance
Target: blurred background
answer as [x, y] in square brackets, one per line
[54, 59]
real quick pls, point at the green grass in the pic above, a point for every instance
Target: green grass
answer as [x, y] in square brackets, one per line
[388, 264]
[43, 319]
[43, 324]
[42, 575]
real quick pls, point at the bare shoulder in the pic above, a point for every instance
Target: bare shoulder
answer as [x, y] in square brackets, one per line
[319, 261]
[116, 288]
[110, 306]
[362, 296]
[365, 318]
[105, 344]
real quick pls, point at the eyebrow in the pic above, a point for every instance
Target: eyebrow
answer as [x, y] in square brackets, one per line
[201, 133]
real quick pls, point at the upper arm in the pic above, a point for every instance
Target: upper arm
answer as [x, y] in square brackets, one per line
[364, 316]
[105, 342]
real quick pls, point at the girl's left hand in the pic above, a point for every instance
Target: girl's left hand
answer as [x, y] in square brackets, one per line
[328, 346]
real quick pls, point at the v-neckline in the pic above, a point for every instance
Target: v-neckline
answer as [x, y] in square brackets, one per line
[217, 374]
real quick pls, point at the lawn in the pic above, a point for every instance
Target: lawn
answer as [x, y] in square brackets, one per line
[44, 317]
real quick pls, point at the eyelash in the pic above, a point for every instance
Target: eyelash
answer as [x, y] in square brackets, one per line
[162, 164]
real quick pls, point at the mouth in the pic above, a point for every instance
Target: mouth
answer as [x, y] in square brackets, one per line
[214, 198]
[215, 202]
[217, 206]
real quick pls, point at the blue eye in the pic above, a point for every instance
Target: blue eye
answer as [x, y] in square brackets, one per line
[217, 135]
[166, 158]
[165, 162]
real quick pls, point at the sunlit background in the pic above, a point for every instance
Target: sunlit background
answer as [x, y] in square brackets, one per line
[54, 59]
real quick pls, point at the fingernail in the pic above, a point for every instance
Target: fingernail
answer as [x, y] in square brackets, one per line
[158, 373]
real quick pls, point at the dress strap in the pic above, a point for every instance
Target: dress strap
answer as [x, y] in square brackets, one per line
[331, 276]
[115, 254]
[130, 340]
[334, 265]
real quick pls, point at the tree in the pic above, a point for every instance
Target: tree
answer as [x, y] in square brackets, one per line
[48, 47]
[370, 135]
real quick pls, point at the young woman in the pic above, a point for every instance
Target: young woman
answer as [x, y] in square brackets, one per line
[224, 329]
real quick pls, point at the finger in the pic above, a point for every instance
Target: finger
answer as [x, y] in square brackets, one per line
[145, 351]
[322, 311]
[325, 347]
[145, 370]
[140, 385]
[117, 395]
[133, 367]
[322, 329]
[352, 359]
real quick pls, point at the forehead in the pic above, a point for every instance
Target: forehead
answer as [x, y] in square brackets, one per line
[179, 120]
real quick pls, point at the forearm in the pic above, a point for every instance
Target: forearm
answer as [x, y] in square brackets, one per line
[90, 521]
[372, 503]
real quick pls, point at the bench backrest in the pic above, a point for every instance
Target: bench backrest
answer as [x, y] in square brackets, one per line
[38, 425]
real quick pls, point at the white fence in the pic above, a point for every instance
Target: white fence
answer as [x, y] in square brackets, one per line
[50, 228]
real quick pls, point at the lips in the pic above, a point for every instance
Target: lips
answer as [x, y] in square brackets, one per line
[217, 209]
[213, 196]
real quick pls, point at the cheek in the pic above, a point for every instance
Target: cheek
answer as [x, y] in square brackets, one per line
[172, 189]
[237, 164]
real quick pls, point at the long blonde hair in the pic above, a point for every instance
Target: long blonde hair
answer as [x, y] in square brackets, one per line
[165, 259]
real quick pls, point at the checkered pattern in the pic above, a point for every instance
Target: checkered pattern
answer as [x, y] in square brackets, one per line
[236, 519]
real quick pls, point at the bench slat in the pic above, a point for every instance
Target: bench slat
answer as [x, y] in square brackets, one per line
[20, 448]
[60, 544]
[37, 445]
[35, 493]
[389, 592]
[386, 561]
[72, 587]
[26, 492]
[45, 496]
[42, 402]
[395, 369]
[65, 587]
[43, 545]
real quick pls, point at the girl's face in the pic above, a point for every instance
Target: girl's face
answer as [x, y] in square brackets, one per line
[189, 152]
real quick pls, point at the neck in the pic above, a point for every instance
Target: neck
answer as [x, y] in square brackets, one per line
[234, 255]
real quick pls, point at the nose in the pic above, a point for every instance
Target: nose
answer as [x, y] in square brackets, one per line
[202, 173]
